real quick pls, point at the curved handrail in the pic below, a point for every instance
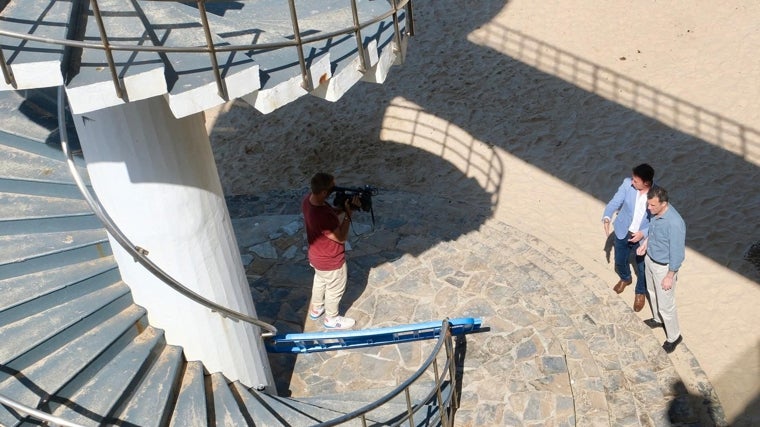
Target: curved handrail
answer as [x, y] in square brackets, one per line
[137, 252]
[444, 341]
[36, 414]
[211, 49]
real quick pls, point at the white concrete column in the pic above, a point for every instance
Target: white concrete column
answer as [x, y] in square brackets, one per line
[156, 177]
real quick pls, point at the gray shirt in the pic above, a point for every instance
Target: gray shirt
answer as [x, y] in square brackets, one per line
[667, 239]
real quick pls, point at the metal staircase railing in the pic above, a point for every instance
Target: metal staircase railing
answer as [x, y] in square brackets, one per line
[36, 414]
[212, 50]
[444, 392]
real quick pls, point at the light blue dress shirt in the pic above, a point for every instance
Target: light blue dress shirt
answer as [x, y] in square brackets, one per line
[667, 239]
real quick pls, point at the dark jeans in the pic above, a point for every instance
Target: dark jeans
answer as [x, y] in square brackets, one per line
[623, 250]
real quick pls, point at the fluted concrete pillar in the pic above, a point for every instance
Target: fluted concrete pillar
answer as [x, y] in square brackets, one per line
[157, 179]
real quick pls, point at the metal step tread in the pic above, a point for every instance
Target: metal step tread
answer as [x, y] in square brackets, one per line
[55, 260]
[35, 375]
[149, 404]
[25, 333]
[21, 164]
[226, 409]
[35, 64]
[259, 414]
[34, 227]
[100, 394]
[67, 191]
[293, 413]
[22, 289]
[17, 248]
[142, 73]
[190, 407]
[22, 206]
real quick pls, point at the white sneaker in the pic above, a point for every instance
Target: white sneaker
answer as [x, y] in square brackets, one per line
[315, 314]
[339, 322]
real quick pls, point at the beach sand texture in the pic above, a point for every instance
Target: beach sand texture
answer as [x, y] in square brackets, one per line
[532, 113]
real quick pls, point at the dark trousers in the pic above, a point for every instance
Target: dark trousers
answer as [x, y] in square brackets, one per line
[623, 250]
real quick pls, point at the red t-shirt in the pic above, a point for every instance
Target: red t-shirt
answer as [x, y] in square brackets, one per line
[324, 253]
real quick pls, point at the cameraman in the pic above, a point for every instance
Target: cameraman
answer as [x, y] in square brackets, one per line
[326, 232]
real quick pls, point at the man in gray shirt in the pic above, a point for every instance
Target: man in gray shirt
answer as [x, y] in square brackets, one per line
[665, 249]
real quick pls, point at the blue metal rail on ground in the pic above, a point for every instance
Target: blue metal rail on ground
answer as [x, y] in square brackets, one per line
[313, 342]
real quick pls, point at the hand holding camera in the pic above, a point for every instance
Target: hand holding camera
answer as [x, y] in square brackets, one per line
[351, 199]
[354, 198]
[349, 205]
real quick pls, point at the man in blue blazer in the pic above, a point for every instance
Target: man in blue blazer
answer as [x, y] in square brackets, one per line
[631, 226]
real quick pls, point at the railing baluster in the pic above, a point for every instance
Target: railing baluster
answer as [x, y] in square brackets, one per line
[107, 49]
[7, 72]
[396, 29]
[452, 371]
[307, 84]
[409, 18]
[409, 406]
[358, 35]
[438, 394]
[220, 85]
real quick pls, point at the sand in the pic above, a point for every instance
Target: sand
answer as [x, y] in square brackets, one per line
[532, 113]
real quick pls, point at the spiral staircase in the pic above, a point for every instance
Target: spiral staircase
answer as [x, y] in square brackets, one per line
[199, 55]
[75, 349]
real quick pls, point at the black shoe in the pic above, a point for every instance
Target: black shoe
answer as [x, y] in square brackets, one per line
[670, 346]
[653, 323]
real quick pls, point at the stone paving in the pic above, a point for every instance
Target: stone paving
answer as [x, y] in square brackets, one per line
[561, 347]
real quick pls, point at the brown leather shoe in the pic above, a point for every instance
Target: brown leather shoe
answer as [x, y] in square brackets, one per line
[620, 286]
[638, 303]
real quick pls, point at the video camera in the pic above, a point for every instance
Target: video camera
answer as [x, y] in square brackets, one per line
[365, 197]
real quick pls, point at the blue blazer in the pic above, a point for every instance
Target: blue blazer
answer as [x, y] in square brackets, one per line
[624, 202]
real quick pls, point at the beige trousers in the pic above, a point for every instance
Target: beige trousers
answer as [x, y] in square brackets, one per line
[328, 289]
[662, 302]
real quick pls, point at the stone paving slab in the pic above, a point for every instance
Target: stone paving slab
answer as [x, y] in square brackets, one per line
[562, 348]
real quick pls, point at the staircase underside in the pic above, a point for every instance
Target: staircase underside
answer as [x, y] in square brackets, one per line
[254, 42]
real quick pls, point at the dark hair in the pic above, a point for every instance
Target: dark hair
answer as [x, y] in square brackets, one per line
[321, 181]
[645, 172]
[659, 192]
